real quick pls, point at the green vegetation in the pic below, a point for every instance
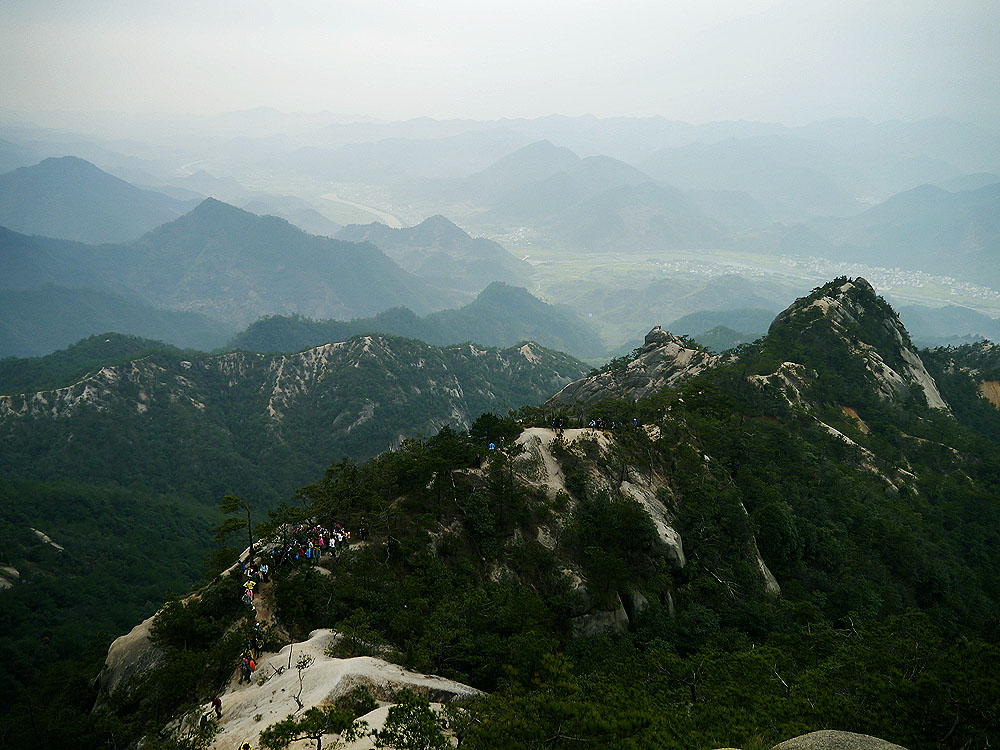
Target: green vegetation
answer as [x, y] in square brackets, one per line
[884, 545]
[133, 495]
[67, 366]
[113, 570]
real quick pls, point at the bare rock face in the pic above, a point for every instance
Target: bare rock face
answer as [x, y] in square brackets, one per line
[664, 360]
[538, 466]
[8, 576]
[130, 655]
[249, 709]
[829, 739]
[849, 312]
[601, 621]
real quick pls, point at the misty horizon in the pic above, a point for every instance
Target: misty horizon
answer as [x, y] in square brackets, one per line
[757, 60]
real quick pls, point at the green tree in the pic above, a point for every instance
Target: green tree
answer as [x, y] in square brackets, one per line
[412, 725]
[233, 506]
[314, 724]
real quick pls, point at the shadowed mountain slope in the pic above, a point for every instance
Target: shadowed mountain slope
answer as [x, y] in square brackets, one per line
[501, 315]
[235, 266]
[442, 254]
[70, 198]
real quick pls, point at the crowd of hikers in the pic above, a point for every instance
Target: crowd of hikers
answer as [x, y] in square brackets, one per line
[302, 544]
[310, 542]
[598, 423]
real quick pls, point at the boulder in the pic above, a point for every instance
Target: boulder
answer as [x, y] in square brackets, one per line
[635, 603]
[829, 739]
[129, 655]
[601, 621]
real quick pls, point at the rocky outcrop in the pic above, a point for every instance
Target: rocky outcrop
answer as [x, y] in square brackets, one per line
[44, 539]
[537, 465]
[457, 374]
[791, 380]
[829, 739]
[129, 655]
[601, 621]
[990, 390]
[249, 709]
[854, 315]
[8, 576]
[663, 360]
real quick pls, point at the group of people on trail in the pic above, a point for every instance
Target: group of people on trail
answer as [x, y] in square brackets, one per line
[253, 573]
[251, 653]
[310, 542]
[598, 423]
[306, 542]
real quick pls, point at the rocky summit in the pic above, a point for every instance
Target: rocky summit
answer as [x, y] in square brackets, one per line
[662, 361]
[846, 320]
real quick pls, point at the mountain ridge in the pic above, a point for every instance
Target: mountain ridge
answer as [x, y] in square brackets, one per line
[442, 253]
[70, 198]
[790, 508]
[501, 315]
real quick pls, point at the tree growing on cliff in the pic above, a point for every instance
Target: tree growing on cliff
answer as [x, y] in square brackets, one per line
[233, 506]
[314, 724]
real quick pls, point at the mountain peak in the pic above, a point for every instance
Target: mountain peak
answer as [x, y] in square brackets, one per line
[842, 301]
[69, 198]
[65, 164]
[218, 216]
[656, 337]
[663, 360]
[440, 226]
[215, 208]
[503, 290]
[535, 161]
[846, 316]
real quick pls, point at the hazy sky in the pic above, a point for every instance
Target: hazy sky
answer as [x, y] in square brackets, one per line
[791, 61]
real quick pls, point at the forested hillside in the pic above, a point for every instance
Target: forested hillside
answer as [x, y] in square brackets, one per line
[120, 449]
[800, 535]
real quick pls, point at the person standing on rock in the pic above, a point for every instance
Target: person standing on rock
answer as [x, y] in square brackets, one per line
[217, 705]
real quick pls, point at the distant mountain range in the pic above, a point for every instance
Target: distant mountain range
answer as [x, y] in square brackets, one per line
[14, 155]
[719, 330]
[217, 261]
[236, 266]
[779, 172]
[927, 228]
[443, 254]
[69, 198]
[949, 325]
[665, 301]
[598, 203]
[501, 315]
[191, 281]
